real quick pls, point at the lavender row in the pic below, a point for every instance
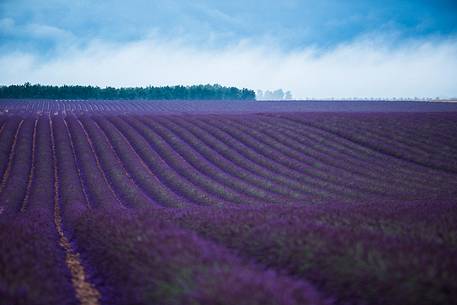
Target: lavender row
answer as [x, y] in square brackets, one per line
[306, 124]
[33, 269]
[214, 166]
[142, 260]
[259, 162]
[363, 138]
[124, 186]
[300, 159]
[235, 190]
[382, 253]
[32, 266]
[280, 163]
[334, 150]
[74, 187]
[435, 146]
[99, 190]
[367, 131]
[137, 168]
[225, 162]
[218, 106]
[228, 148]
[210, 186]
[326, 153]
[8, 137]
[163, 170]
[434, 128]
[16, 176]
[409, 170]
[390, 183]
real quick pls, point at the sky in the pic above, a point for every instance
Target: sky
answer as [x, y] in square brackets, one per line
[315, 49]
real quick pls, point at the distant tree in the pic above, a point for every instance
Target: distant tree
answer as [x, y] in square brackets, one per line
[259, 95]
[278, 94]
[288, 95]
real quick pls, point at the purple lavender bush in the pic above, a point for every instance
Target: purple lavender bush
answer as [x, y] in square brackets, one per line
[133, 202]
[144, 261]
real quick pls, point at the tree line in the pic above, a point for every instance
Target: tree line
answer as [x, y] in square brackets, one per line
[195, 92]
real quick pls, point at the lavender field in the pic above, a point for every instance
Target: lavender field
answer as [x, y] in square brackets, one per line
[144, 202]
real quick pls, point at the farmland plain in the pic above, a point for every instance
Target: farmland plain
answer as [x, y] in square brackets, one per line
[210, 202]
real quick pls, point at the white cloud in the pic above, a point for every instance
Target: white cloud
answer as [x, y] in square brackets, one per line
[43, 31]
[363, 68]
[37, 31]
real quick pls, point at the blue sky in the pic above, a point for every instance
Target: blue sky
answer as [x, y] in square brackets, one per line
[377, 48]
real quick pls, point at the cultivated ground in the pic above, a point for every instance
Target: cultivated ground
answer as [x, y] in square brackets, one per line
[207, 202]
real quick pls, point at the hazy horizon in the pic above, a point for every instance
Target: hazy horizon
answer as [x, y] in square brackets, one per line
[315, 49]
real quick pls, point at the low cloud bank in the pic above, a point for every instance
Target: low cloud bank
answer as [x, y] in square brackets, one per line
[363, 68]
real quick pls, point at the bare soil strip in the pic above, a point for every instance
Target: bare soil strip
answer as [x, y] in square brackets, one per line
[86, 293]
[78, 167]
[2, 127]
[10, 158]
[32, 170]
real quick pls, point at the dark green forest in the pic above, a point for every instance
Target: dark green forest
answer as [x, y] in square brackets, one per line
[195, 92]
